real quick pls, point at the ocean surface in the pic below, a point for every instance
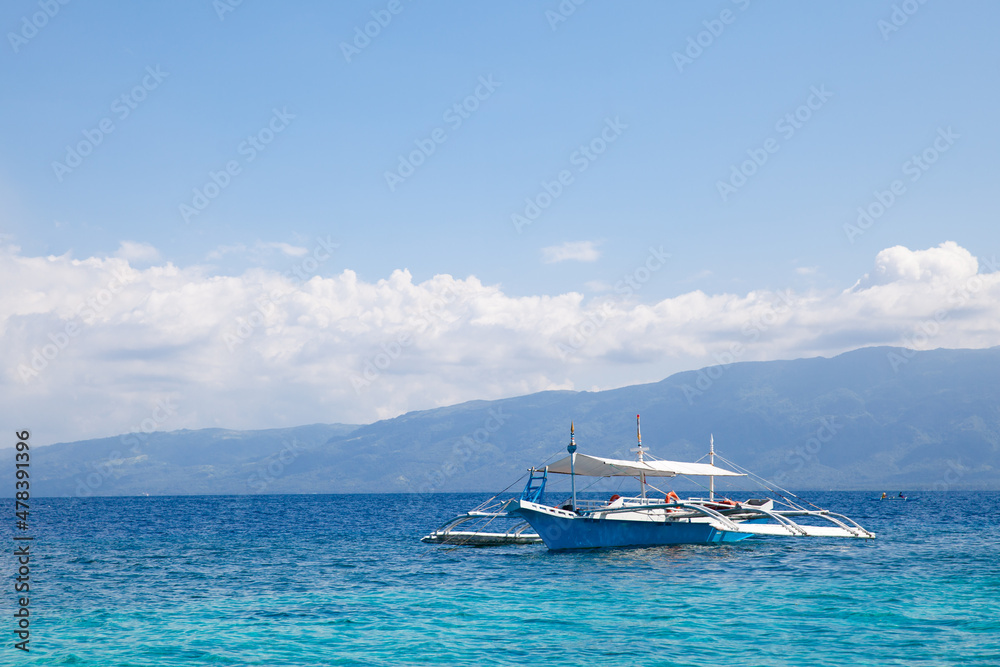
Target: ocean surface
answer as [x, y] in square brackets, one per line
[345, 580]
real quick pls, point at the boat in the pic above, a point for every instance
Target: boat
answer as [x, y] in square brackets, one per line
[653, 517]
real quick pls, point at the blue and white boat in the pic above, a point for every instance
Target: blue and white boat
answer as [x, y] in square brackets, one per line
[654, 516]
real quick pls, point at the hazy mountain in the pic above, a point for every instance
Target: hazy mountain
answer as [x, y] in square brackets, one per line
[872, 418]
[205, 461]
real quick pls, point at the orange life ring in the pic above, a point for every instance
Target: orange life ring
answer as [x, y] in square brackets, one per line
[613, 498]
[674, 496]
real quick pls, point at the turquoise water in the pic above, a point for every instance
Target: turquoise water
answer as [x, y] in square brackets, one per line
[303, 580]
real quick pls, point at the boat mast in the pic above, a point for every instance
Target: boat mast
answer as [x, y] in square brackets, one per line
[711, 460]
[571, 448]
[642, 475]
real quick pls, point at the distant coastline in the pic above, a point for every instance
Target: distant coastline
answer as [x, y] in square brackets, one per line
[852, 422]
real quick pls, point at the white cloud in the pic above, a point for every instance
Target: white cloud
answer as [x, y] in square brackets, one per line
[806, 270]
[701, 275]
[598, 286]
[137, 252]
[947, 263]
[288, 249]
[259, 251]
[88, 347]
[223, 250]
[580, 251]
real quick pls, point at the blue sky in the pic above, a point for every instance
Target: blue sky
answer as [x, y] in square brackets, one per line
[871, 92]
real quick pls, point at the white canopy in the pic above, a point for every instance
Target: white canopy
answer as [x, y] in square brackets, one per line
[595, 466]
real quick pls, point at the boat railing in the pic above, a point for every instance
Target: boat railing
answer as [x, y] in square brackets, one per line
[587, 505]
[727, 518]
[695, 508]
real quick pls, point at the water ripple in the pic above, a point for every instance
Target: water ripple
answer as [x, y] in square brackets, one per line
[296, 580]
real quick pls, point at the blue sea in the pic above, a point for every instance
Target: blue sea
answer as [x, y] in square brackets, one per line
[345, 580]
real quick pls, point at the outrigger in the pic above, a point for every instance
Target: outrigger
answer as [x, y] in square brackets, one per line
[483, 519]
[644, 520]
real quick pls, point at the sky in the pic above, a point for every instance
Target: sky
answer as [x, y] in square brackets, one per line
[253, 215]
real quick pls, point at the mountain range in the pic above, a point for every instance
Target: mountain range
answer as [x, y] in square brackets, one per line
[874, 418]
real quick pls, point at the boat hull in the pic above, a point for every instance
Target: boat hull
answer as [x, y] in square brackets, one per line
[560, 529]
